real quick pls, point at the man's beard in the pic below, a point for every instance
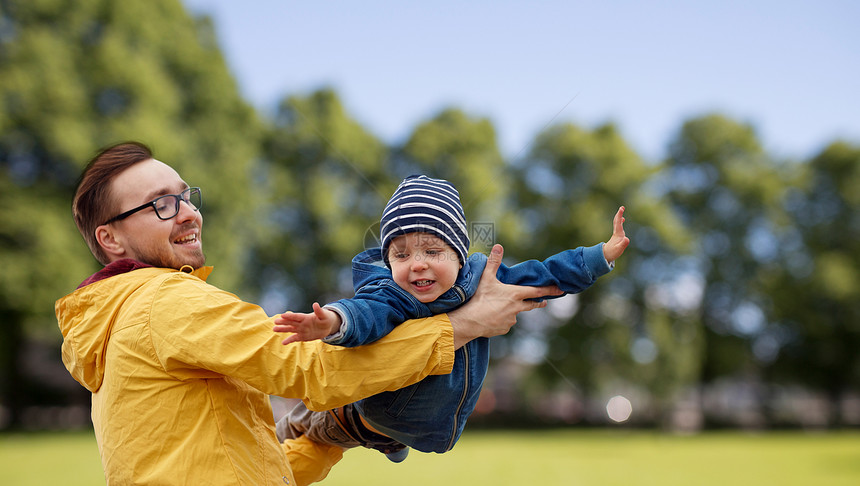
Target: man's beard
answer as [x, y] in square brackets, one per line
[163, 257]
[171, 260]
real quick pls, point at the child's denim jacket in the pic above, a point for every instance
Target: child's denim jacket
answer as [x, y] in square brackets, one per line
[430, 415]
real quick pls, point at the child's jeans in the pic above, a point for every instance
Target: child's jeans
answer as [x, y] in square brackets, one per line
[340, 427]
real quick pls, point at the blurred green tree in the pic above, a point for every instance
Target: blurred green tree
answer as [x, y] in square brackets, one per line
[464, 150]
[326, 185]
[728, 192]
[76, 76]
[565, 195]
[815, 281]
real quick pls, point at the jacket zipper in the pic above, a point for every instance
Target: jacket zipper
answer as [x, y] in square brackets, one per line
[465, 349]
[460, 293]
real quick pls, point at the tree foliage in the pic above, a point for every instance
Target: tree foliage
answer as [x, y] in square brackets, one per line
[326, 185]
[464, 150]
[567, 191]
[76, 76]
[814, 281]
[727, 191]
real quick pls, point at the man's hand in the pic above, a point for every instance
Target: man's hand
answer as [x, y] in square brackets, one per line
[619, 241]
[493, 309]
[307, 327]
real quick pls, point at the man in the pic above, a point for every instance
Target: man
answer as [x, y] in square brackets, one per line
[180, 371]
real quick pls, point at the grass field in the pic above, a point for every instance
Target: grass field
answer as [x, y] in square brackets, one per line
[570, 457]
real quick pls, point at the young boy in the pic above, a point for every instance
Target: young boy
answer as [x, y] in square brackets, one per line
[422, 269]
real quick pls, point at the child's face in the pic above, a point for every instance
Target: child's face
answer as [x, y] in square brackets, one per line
[423, 265]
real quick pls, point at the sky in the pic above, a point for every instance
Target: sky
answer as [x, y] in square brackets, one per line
[789, 68]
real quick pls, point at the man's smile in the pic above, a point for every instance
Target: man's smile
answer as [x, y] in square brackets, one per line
[192, 238]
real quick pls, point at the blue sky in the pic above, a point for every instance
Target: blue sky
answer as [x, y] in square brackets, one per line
[790, 68]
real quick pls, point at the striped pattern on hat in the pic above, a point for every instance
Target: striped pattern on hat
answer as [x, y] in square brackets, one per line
[422, 204]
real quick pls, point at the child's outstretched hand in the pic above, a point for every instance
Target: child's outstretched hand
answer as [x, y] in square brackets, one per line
[307, 327]
[619, 241]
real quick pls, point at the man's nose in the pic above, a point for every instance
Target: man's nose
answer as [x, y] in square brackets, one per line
[186, 212]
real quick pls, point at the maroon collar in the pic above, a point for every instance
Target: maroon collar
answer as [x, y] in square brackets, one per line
[114, 268]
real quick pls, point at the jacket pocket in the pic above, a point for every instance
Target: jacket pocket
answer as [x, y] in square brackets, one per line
[401, 400]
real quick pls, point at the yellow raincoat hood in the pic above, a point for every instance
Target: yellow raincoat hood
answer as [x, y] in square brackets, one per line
[87, 316]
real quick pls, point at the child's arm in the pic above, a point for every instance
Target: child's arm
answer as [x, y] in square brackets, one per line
[376, 309]
[616, 245]
[373, 312]
[571, 270]
[308, 327]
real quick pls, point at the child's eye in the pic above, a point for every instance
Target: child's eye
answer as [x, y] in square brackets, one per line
[400, 256]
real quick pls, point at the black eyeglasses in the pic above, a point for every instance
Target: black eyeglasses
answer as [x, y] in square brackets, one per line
[167, 206]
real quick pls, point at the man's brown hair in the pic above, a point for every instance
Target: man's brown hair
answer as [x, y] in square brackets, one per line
[93, 203]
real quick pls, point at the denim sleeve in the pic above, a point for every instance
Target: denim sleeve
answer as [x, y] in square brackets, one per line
[571, 270]
[378, 306]
[374, 312]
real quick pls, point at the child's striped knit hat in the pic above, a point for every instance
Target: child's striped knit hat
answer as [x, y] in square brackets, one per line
[422, 204]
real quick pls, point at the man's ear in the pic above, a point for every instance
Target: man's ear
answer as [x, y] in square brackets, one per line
[110, 241]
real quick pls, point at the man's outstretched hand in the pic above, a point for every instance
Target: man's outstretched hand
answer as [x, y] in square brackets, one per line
[493, 309]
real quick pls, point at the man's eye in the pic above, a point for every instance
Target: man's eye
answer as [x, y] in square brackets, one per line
[161, 204]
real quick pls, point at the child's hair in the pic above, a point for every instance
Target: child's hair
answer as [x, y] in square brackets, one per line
[422, 204]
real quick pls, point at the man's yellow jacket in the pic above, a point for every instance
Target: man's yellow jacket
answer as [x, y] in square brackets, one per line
[180, 372]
